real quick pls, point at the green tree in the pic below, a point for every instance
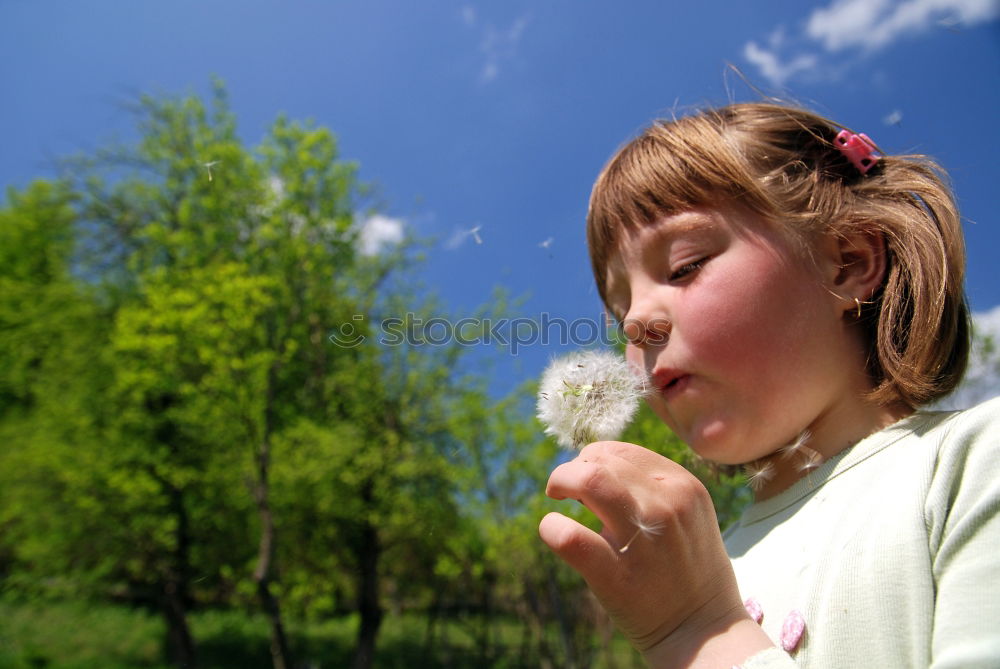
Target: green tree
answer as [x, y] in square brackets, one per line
[49, 326]
[184, 423]
[378, 501]
[208, 397]
[252, 262]
[191, 373]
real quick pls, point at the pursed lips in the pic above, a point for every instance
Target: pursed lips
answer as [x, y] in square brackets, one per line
[667, 381]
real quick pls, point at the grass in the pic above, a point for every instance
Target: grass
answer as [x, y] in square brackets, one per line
[75, 635]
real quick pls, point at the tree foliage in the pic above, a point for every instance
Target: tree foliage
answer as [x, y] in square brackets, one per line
[181, 432]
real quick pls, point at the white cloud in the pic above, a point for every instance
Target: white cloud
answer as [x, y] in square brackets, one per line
[469, 15]
[501, 45]
[874, 24]
[845, 22]
[863, 26]
[982, 379]
[378, 232]
[490, 71]
[497, 46]
[770, 64]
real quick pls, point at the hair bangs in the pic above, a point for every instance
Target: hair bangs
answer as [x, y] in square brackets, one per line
[671, 167]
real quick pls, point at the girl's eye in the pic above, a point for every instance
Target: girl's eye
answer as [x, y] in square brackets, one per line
[687, 269]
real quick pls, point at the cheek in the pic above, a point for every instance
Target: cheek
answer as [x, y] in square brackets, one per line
[748, 319]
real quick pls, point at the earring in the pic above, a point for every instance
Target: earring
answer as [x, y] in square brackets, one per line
[857, 303]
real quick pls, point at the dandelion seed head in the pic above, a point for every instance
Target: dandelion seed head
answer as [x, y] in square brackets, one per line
[589, 396]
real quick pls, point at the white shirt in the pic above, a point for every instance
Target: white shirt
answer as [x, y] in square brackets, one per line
[890, 551]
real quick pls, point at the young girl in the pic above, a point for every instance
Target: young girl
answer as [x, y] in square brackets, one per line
[795, 299]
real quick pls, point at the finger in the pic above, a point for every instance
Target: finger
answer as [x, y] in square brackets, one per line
[580, 547]
[645, 466]
[642, 458]
[599, 486]
[600, 565]
[628, 460]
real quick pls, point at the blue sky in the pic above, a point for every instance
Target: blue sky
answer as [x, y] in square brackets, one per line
[497, 116]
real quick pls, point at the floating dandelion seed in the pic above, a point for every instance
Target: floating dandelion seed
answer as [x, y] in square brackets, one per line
[809, 458]
[588, 396]
[546, 245]
[796, 446]
[758, 472]
[208, 166]
[647, 529]
[462, 234]
[894, 118]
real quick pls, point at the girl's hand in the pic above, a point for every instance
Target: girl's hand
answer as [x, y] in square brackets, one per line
[659, 566]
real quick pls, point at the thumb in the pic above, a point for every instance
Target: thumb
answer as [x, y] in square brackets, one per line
[580, 547]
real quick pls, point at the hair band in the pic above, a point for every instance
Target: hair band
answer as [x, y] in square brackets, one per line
[858, 149]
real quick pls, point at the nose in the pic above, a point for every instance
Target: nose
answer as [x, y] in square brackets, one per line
[653, 332]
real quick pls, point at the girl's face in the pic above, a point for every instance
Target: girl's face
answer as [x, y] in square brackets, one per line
[745, 344]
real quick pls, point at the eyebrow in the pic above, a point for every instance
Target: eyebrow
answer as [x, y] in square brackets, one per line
[686, 224]
[692, 222]
[662, 234]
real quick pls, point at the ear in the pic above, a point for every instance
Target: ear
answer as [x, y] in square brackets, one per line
[857, 266]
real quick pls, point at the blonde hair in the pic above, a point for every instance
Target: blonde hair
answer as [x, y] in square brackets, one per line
[780, 162]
